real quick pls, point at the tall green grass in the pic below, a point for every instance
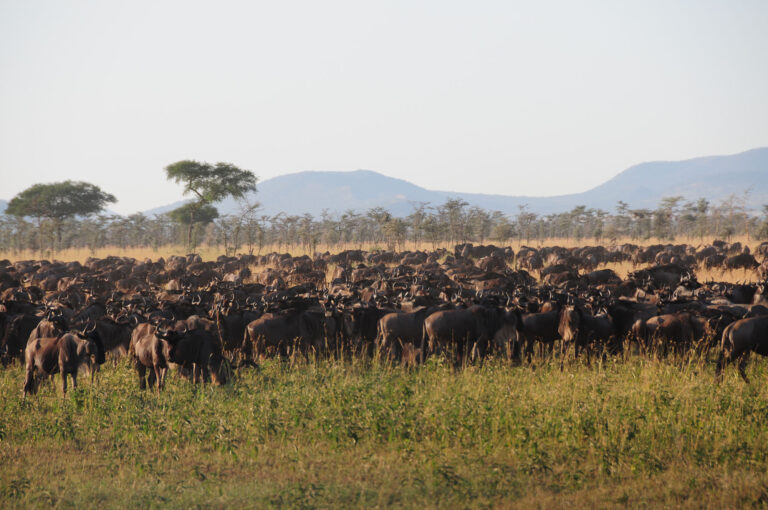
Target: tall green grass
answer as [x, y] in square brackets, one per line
[365, 434]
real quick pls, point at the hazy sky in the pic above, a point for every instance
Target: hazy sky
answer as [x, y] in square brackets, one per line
[532, 98]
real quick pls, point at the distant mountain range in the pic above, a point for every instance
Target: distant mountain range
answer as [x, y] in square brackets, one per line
[641, 186]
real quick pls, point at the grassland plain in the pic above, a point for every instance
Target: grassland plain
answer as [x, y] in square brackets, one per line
[208, 253]
[357, 433]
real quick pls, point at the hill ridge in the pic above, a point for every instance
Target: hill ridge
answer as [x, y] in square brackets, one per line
[642, 186]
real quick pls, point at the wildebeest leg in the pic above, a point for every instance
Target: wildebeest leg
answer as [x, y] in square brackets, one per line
[743, 365]
[74, 379]
[151, 378]
[528, 346]
[480, 349]
[562, 354]
[395, 350]
[29, 381]
[92, 369]
[142, 370]
[722, 362]
[160, 376]
[63, 380]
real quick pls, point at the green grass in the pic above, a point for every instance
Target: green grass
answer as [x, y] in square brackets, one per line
[356, 434]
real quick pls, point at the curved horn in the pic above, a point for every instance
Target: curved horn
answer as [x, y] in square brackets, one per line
[89, 327]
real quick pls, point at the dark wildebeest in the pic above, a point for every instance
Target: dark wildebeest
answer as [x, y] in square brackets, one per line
[538, 328]
[287, 331]
[64, 354]
[580, 328]
[360, 323]
[742, 261]
[116, 335]
[151, 348]
[469, 330]
[739, 340]
[54, 325]
[15, 336]
[398, 330]
[679, 330]
[231, 326]
[199, 352]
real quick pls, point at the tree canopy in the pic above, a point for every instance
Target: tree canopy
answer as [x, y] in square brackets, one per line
[204, 214]
[209, 183]
[59, 200]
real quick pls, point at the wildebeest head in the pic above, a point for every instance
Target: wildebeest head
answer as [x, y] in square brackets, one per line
[56, 316]
[570, 321]
[170, 336]
[510, 323]
[95, 346]
[167, 332]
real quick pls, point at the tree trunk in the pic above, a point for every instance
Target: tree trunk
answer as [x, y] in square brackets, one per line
[58, 236]
[40, 234]
[189, 229]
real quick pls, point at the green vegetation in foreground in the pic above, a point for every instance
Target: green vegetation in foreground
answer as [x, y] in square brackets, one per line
[352, 434]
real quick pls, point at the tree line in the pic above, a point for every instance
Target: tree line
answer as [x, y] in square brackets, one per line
[56, 216]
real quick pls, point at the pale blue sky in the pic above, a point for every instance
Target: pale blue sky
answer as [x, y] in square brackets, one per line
[533, 98]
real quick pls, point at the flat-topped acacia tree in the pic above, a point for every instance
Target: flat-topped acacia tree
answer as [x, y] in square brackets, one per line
[209, 184]
[58, 201]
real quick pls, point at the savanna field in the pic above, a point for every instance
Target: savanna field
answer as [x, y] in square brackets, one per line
[626, 430]
[373, 255]
[354, 433]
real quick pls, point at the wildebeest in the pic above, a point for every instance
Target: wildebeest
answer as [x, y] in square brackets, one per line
[741, 261]
[287, 331]
[578, 327]
[231, 326]
[396, 330]
[739, 340]
[115, 335]
[361, 326]
[15, 335]
[199, 352]
[676, 330]
[64, 354]
[538, 328]
[468, 330]
[151, 348]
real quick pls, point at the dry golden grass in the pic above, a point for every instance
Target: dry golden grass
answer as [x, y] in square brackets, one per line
[211, 252]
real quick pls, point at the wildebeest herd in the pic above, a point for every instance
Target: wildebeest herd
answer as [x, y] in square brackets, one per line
[469, 304]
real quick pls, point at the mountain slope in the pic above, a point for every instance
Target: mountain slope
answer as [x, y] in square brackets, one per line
[713, 177]
[641, 186]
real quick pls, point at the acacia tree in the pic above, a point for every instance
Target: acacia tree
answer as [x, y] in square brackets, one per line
[209, 184]
[202, 215]
[58, 201]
